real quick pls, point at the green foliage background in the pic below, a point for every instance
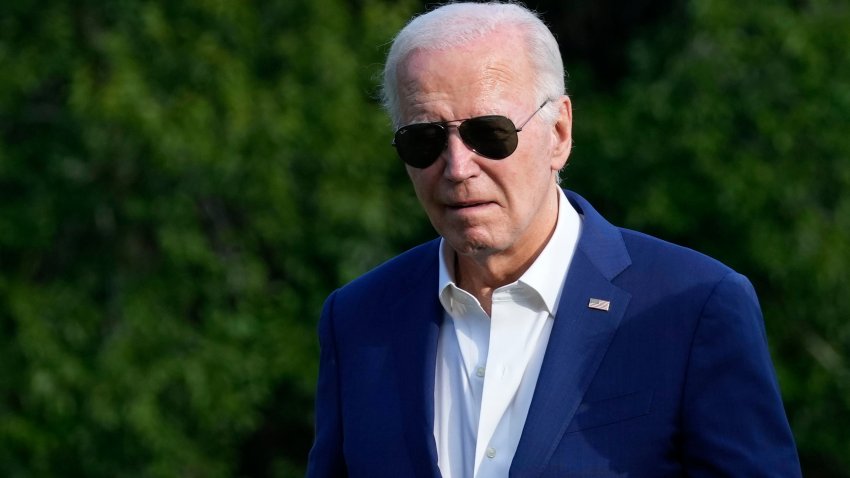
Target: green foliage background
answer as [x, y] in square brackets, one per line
[182, 183]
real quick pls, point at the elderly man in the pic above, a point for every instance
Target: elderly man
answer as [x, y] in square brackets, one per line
[533, 338]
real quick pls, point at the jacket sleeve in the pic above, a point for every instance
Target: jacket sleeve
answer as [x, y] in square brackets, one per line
[326, 457]
[733, 420]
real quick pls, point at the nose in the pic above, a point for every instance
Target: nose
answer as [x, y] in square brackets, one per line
[461, 163]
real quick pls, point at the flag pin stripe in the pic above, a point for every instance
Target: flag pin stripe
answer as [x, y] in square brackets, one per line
[599, 304]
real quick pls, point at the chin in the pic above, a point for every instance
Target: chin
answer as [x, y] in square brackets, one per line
[470, 245]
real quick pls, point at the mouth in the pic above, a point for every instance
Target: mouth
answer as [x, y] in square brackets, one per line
[466, 205]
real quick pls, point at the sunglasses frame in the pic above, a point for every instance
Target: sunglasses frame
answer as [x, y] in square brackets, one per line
[444, 126]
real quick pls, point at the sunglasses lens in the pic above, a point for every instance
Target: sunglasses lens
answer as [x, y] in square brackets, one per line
[493, 137]
[419, 145]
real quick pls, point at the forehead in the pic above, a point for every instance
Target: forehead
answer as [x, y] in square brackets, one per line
[465, 79]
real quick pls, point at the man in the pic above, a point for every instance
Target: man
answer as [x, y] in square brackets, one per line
[533, 338]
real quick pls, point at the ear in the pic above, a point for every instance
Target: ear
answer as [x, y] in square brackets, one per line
[562, 133]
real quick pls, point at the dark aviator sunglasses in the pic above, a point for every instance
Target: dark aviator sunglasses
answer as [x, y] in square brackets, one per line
[492, 136]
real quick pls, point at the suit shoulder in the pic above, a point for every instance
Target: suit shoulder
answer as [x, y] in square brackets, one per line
[665, 257]
[683, 286]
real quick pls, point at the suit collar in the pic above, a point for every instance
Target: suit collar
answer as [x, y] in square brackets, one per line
[601, 241]
[580, 336]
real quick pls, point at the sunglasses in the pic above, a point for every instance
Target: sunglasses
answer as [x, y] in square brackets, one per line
[492, 136]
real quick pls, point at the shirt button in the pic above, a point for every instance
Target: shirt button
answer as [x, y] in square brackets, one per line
[491, 452]
[480, 371]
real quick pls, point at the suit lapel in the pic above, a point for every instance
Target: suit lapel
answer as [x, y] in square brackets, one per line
[580, 336]
[418, 317]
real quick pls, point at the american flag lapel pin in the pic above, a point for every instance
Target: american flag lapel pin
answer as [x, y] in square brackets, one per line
[599, 304]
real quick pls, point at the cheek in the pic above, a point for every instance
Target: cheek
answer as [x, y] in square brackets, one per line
[527, 184]
[422, 184]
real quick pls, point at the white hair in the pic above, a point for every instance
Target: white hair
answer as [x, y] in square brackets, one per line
[456, 24]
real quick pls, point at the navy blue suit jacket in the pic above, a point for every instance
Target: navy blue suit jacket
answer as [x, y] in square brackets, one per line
[674, 379]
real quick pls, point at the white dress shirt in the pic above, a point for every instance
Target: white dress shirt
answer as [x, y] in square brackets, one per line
[487, 367]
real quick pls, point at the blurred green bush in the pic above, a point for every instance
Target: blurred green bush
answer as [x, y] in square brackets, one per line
[181, 184]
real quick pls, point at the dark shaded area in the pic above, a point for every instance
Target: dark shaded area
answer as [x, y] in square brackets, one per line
[279, 437]
[597, 35]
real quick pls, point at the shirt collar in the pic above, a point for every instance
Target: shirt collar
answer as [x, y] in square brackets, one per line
[547, 273]
[446, 284]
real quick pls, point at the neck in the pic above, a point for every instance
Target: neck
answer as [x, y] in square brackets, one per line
[482, 273]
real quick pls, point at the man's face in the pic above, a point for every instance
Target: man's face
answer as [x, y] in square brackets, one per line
[486, 207]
